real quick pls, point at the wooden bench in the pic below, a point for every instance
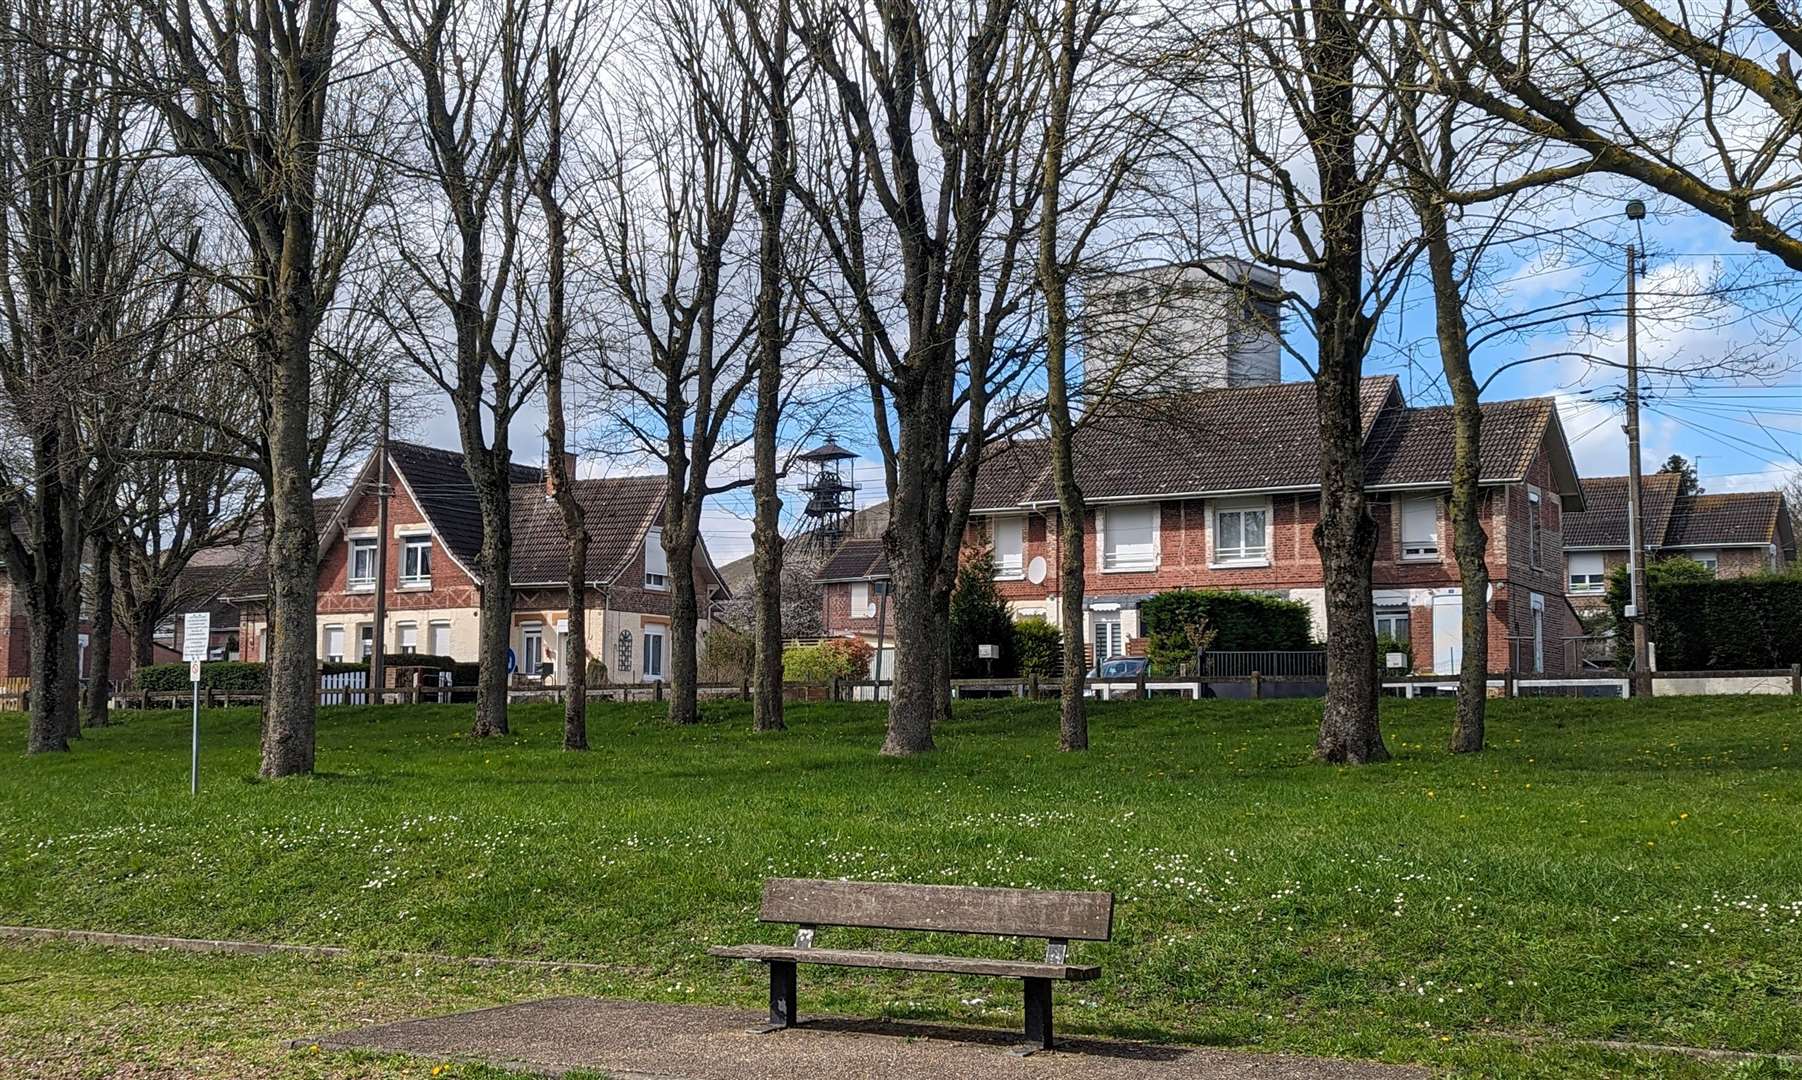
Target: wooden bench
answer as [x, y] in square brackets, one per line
[1058, 917]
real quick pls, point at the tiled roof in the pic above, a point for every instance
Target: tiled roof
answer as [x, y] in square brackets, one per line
[855, 559]
[440, 485]
[865, 521]
[1732, 518]
[619, 510]
[1603, 523]
[1414, 446]
[1257, 438]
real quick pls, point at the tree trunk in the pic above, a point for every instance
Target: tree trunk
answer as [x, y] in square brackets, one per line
[1469, 542]
[1073, 721]
[766, 527]
[575, 660]
[100, 636]
[292, 657]
[496, 615]
[914, 554]
[684, 615]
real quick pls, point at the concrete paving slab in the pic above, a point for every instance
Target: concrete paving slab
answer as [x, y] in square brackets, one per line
[631, 1040]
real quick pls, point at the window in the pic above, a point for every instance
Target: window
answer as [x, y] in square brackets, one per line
[531, 648]
[1108, 640]
[653, 653]
[1587, 575]
[656, 561]
[1010, 546]
[1709, 559]
[1242, 532]
[862, 607]
[1420, 528]
[362, 561]
[438, 638]
[406, 637]
[1533, 540]
[1393, 623]
[416, 560]
[334, 644]
[365, 640]
[1129, 537]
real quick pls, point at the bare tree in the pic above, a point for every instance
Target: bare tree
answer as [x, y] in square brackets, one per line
[1701, 104]
[1288, 142]
[466, 170]
[83, 254]
[922, 181]
[251, 94]
[680, 358]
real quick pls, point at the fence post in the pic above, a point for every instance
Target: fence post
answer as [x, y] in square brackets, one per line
[1795, 678]
[1509, 688]
[744, 687]
[834, 689]
[657, 690]
[1142, 682]
[1033, 684]
[1257, 686]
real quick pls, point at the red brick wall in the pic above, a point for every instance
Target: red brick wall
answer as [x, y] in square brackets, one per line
[451, 586]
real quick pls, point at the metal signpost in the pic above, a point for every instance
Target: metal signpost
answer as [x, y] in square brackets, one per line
[197, 631]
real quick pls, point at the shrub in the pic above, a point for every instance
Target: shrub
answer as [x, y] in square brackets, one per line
[235, 675]
[1659, 573]
[726, 654]
[1241, 621]
[1040, 647]
[1703, 623]
[834, 658]
[980, 617]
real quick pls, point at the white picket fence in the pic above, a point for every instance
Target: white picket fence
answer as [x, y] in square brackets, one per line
[335, 688]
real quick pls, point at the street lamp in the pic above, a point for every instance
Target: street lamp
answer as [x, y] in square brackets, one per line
[1636, 539]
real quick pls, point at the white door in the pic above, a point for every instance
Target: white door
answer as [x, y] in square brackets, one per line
[1448, 634]
[653, 653]
[1109, 641]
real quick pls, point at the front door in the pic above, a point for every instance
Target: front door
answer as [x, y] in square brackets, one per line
[1448, 634]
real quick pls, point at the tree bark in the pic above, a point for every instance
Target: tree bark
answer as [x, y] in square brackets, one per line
[495, 618]
[1469, 541]
[915, 550]
[50, 563]
[289, 709]
[100, 636]
[684, 615]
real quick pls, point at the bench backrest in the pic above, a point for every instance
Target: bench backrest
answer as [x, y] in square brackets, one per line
[1082, 916]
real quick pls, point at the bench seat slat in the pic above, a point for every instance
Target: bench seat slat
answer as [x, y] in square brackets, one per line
[945, 965]
[1081, 916]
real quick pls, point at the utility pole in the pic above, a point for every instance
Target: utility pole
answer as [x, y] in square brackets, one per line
[379, 644]
[1636, 526]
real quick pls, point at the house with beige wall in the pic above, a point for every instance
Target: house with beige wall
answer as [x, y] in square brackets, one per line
[434, 587]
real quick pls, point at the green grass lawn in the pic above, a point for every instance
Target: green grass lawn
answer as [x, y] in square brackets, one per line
[1602, 872]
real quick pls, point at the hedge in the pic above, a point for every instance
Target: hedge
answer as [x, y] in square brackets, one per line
[834, 658]
[1727, 624]
[1659, 574]
[1241, 621]
[234, 675]
[1040, 647]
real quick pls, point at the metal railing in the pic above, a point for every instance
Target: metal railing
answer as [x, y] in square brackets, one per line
[1298, 663]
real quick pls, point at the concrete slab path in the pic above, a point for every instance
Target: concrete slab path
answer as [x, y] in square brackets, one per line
[630, 1040]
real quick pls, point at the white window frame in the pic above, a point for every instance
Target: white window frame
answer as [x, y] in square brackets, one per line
[1242, 555]
[1709, 559]
[862, 602]
[432, 630]
[1136, 566]
[1586, 582]
[1422, 551]
[657, 581]
[1535, 532]
[409, 578]
[1390, 615]
[1109, 644]
[365, 641]
[646, 632]
[1005, 570]
[360, 544]
[401, 630]
[530, 658]
[335, 656]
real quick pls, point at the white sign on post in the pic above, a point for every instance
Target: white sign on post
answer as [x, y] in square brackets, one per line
[197, 632]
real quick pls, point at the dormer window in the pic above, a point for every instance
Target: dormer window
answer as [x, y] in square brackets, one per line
[362, 562]
[656, 561]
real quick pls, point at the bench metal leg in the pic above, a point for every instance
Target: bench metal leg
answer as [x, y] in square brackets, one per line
[782, 996]
[1038, 1015]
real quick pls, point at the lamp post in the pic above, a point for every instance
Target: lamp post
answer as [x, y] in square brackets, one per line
[1636, 531]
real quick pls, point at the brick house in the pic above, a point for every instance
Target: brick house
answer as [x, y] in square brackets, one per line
[1733, 533]
[1219, 489]
[434, 590]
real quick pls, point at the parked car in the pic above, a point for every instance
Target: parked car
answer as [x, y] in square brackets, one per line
[1119, 669]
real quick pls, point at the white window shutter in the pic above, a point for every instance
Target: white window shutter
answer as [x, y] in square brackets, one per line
[655, 559]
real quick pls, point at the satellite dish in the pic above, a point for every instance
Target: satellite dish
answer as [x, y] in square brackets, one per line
[1035, 570]
[869, 609]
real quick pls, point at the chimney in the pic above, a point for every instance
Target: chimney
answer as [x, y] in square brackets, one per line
[569, 470]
